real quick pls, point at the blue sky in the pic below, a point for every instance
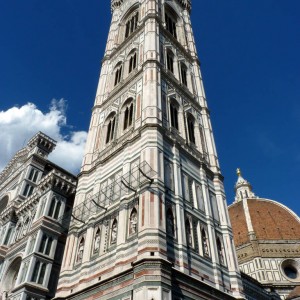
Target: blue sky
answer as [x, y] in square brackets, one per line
[249, 53]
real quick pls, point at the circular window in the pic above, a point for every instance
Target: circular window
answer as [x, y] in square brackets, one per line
[290, 272]
[290, 269]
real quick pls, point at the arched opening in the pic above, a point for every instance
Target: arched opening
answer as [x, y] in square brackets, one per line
[191, 128]
[171, 19]
[131, 23]
[127, 110]
[11, 275]
[170, 61]
[118, 73]
[132, 61]
[183, 71]
[174, 113]
[110, 127]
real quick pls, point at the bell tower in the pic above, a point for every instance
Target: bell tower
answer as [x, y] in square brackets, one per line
[150, 219]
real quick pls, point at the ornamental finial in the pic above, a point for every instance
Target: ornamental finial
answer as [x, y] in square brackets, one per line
[238, 172]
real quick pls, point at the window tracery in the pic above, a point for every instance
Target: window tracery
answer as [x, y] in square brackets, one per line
[110, 124]
[54, 210]
[128, 114]
[39, 272]
[131, 24]
[171, 24]
[118, 73]
[46, 244]
[132, 61]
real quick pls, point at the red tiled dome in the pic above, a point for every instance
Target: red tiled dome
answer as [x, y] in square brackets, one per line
[270, 221]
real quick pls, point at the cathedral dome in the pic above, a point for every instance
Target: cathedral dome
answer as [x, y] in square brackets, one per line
[269, 220]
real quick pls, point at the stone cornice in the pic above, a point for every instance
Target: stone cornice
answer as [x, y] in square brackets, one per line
[58, 180]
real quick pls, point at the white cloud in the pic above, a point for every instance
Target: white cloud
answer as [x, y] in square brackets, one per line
[19, 124]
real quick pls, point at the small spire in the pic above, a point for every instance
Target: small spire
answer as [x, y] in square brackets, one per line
[243, 189]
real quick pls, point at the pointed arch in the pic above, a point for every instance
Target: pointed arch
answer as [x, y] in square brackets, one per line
[191, 128]
[118, 71]
[183, 73]
[110, 124]
[132, 60]
[127, 113]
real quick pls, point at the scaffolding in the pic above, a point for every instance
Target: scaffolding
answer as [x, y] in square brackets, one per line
[130, 183]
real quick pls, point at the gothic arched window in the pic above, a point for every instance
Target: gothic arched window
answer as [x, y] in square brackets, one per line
[133, 222]
[128, 114]
[131, 24]
[183, 71]
[46, 244]
[28, 190]
[191, 128]
[39, 272]
[132, 60]
[110, 123]
[174, 114]
[54, 210]
[170, 223]
[170, 61]
[33, 175]
[171, 21]
[118, 73]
